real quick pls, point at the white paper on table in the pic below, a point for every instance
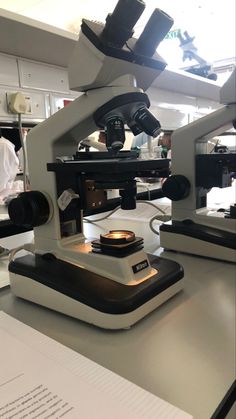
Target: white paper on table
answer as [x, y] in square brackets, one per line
[41, 378]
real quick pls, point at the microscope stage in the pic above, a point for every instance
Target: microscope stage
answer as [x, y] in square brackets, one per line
[79, 293]
[112, 165]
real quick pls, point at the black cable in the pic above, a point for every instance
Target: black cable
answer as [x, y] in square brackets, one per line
[226, 404]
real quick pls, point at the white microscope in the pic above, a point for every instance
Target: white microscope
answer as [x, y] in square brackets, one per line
[110, 282]
[194, 227]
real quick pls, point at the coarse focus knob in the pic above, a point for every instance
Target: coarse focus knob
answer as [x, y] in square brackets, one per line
[29, 209]
[176, 187]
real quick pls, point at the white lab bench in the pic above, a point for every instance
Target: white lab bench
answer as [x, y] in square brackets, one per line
[184, 352]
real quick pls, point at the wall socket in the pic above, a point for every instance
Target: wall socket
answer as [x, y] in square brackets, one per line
[18, 102]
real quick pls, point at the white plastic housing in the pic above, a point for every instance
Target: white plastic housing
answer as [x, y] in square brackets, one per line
[89, 68]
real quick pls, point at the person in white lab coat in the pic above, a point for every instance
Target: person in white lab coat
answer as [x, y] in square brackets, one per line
[9, 166]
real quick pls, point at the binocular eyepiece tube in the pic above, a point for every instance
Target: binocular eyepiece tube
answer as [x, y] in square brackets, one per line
[119, 24]
[119, 27]
[154, 32]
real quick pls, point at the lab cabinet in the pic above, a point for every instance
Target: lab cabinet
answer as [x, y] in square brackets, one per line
[8, 71]
[42, 76]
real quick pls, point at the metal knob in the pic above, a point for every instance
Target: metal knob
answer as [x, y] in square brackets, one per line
[176, 187]
[29, 209]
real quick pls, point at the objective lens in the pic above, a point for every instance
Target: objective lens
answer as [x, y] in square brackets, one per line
[119, 25]
[147, 121]
[135, 128]
[154, 32]
[115, 134]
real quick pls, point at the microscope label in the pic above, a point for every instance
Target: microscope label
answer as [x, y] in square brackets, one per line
[65, 198]
[140, 266]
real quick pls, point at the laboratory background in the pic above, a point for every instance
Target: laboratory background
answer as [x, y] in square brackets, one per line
[117, 209]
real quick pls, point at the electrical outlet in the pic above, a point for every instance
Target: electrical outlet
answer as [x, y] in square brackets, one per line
[28, 101]
[18, 102]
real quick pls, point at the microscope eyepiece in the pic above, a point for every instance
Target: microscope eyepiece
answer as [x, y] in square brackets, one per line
[119, 24]
[147, 122]
[154, 32]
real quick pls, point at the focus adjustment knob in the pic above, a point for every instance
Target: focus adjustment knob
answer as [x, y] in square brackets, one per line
[29, 209]
[176, 187]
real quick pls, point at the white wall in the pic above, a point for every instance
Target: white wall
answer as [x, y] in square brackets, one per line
[46, 87]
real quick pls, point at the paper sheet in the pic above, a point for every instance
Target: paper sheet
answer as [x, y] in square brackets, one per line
[43, 379]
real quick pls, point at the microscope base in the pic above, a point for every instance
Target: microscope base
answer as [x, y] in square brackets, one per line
[198, 240]
[84, 295]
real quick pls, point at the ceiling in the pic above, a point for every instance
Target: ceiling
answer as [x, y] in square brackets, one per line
[211, 22]
[67, 14]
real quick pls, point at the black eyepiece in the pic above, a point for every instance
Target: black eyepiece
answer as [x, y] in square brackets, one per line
[154, 32]
[119, 24]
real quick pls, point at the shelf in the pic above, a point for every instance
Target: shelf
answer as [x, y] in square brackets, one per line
[180, 81]
[27, 38]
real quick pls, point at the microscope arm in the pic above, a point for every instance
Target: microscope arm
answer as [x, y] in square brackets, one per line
[59, 136]
[193, 55]
[191, 140]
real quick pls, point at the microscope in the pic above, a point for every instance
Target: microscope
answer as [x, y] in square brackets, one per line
[202, 68]
[109, 282]
[195, 228]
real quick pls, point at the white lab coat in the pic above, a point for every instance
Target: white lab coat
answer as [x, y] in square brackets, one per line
[9, 166]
